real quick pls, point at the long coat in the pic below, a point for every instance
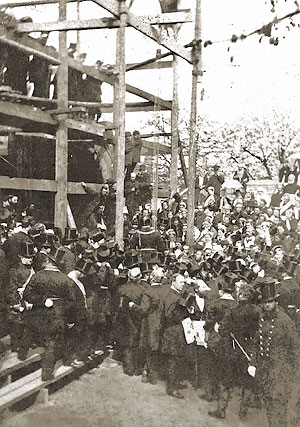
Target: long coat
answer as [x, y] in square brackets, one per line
[277, 362]
[127, 323]
[66, 308]
[150, 309]
[173, 342]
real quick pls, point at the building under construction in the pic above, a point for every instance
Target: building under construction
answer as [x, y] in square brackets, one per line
[52, 136]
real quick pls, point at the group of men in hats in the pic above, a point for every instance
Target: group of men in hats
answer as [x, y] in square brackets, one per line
[223, 313]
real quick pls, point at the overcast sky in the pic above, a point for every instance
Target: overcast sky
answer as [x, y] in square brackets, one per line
[261, 78]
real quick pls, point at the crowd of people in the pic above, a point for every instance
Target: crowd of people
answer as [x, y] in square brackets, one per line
[222, 313]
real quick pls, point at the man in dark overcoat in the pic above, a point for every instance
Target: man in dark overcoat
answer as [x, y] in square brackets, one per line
[174, 344]
[151, 330]
[127, 325]
[277, 356]
[55, 299]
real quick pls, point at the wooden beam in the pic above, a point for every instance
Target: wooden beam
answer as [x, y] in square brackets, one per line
[146, 29]
[61, 150]
[133, 107]
[30, 3]
[107, 22]
[197, 71]
[150, 66]
[28, 184]
[174, 129]
[162, 148]
[119, 121]
[92, 128]
[26, 112]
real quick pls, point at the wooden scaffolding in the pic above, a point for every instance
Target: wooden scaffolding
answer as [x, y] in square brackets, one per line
[63, 126]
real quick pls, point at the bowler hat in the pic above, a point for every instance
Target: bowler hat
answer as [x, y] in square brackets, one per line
[103, 252]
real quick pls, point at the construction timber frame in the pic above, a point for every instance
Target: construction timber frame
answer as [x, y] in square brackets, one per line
[120, 18]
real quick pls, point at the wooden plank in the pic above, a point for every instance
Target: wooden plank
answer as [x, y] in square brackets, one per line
[149, 145]
[133, 107]
[152, 66]
[26, 112]
[26, 386]
[89, 24]
[30, 184]
[91, 128]
[11, 363]
[106, 22]
[146, 29]
[31, 3]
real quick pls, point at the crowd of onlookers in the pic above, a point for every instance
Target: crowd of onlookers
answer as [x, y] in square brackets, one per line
[170, 310]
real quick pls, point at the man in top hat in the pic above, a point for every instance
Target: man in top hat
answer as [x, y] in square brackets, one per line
[275, 362]
[19, 276]
[76, 335]
[128, 323]
[55, 308]
[68, 261]
[174, 342]
[220, 385]
[237, 330]
[11, 246]
[151, 331]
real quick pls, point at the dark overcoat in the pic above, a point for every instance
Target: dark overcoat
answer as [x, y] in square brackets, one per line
[173, 341]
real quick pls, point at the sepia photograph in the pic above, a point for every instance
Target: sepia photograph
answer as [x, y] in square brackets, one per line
[149, 213]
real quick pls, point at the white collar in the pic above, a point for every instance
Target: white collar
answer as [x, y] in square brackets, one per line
[51, 269]
[227, 297]
[175, 289]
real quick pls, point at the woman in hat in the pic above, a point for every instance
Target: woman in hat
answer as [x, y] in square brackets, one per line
[276, 356]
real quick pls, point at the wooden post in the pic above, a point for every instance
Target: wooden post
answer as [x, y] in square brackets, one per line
[120, 121]
[197, 67]
[174, 129]
[61, 157]
[155, 181]
[78, 31]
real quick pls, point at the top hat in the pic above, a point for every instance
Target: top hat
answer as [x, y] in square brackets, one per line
[46, 240]
[71, 235]
[84, 266]
[97, 236]
[194, 269]
[26, 250]
[230, 279]
[248, 275]
[267, 288]
[236, 266]
[55, 255]
[180, 267]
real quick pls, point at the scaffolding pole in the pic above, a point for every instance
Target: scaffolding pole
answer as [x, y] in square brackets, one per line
[119, 120]
[174, 129]
[197, 70]
[61, 156]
